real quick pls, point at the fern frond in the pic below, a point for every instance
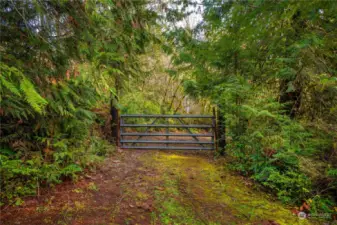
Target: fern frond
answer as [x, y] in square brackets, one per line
[32, 96]
[332, 172]
[85, 114]
[9, 85]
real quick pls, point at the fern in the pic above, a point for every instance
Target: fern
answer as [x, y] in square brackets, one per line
[23, 87]
[9, 85]
[71, 170]
[32, 97]
[49, 87]
[332, 173]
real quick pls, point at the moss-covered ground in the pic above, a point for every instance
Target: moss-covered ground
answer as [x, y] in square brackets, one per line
[194, 189]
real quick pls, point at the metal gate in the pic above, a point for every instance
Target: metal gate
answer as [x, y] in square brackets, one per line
[203, 134]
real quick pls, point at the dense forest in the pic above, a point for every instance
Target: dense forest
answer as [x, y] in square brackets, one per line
[269, 67]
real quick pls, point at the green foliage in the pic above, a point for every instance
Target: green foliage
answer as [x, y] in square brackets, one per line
[270, 68]
[136, 102]
[290, 186]
[321, 204]
[332, 172]
[13, 179]
[59, 61]
[32, 97]
[269, 150]
[71, 170]
[19, 90]
[22, 178]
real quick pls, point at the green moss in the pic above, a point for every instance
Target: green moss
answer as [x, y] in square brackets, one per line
[171, 208]
[141, 196]
[196, 191]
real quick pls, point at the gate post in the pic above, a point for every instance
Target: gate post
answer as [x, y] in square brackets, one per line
[221, 121]
[115, 124]
[215, 130]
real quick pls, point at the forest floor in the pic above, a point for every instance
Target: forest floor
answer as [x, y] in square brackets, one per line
[154, 187]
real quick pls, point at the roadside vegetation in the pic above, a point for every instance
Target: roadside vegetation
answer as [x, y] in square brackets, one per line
[61, 62]
[271, 69]
[268, 66]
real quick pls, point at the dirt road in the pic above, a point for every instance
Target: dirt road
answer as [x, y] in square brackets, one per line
[154, 187]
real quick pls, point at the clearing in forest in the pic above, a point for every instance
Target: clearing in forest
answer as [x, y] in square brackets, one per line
[154, 187]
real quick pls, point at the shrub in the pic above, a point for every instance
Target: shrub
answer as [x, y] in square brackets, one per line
[23, 177]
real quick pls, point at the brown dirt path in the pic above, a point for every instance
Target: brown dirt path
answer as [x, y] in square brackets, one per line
[108, 196]
[153, 187]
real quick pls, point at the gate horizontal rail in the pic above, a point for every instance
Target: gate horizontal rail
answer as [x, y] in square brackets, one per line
[169, 134]
[168, 148]
[165, 144]
[165, 125]
[165, 116]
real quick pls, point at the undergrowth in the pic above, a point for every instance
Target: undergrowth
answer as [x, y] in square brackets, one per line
[21, 177]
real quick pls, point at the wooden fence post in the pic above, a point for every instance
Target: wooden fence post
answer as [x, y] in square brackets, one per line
[115, 121]
[216, 130]
[221, 121]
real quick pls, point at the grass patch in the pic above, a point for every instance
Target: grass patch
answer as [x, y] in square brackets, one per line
[193, 190]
